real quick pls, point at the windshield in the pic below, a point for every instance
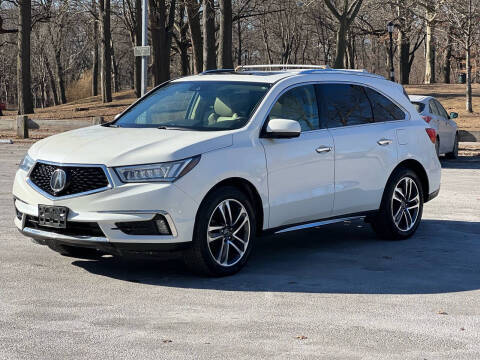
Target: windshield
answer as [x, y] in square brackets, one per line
[196, 105]
[419, 106]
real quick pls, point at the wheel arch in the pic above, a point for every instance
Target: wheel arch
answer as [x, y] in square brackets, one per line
[250, 190]
[418, 168]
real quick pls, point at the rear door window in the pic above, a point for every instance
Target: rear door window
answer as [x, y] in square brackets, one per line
[345, 105]
[383, 108]
[419, 106]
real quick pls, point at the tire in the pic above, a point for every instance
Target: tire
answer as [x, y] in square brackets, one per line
[74, 251]
[207, 256]
[454, 153]
[437, 146]
[383, 222]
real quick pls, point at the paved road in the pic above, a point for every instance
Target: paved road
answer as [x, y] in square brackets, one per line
[329, 293]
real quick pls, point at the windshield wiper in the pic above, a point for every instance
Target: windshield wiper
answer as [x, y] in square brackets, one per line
[110, 125]
[163, 127]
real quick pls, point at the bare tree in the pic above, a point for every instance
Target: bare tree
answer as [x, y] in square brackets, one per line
[193, 16]
[95, 59]
[225, 60]
[464, 16]
[24, 78]
[345, 17]
[161, 30]
[106, 60]
[208, 35]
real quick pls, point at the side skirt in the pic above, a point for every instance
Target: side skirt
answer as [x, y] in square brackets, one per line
[315, 223]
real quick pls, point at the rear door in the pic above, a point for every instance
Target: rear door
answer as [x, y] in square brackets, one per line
[300, 170]
[365, 137]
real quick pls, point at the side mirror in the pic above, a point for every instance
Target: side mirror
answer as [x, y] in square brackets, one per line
[116, 117]
[453, 115]
[282, 129]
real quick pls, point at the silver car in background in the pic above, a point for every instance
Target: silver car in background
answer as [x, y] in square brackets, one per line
[437, 117]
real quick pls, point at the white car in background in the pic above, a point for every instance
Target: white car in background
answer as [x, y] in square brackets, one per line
[206, 163]
[437, 117]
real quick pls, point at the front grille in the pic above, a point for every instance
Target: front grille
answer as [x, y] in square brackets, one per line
[79, 178]
[74, 228]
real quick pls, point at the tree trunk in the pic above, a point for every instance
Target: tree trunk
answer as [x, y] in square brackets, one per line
[468, 68]
[51, 78]
[182, 42]
[60, 78]
[430, 51]
[195, 34]
[403, 44]
[116, 77]
[95, 51]
[225, 60]
[447, 60]
[106, 74]
[239, 34]
[209, 62]
[341, 44]
[161, 34]
[24, 80]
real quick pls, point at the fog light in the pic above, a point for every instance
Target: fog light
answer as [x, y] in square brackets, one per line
[162, 225]
[157, 226]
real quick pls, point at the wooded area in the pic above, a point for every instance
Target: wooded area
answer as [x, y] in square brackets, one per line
[54, 51]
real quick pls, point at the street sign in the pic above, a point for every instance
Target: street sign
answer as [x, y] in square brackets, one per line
[141, 50]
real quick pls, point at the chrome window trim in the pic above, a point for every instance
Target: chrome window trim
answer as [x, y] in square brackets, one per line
[51, 197]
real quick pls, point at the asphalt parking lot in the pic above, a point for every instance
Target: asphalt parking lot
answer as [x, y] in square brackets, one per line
[329, 293]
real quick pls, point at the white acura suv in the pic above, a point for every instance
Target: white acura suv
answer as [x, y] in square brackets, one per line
[207, 163]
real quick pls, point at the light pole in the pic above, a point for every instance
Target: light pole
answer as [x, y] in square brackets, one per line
[144, 44]
[390, 27]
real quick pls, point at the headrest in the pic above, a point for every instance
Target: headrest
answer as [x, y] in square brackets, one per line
[223, 106]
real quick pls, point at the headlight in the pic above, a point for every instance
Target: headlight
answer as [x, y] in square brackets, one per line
[163, 172]
[27, 163]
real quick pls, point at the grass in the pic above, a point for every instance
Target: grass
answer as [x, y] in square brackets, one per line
[452, 96]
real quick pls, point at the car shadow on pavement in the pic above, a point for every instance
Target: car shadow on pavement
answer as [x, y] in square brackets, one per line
[462, 162]
[339, 258]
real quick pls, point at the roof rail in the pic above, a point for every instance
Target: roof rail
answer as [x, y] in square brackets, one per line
[271, 67]
[347, 71]
[216, 71]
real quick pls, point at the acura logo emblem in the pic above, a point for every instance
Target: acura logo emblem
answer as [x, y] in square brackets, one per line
[58, 180]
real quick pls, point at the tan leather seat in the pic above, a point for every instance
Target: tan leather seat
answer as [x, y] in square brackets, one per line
[228, 107]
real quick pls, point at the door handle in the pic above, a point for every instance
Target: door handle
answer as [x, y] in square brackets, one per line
[323, 149]
[384, 142]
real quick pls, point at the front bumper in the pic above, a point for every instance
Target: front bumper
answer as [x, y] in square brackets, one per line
[121, 203]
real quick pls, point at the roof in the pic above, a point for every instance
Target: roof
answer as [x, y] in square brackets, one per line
[419, 98]
[253, 73]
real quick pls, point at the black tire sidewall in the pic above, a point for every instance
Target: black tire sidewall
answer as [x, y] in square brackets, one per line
[201, 224]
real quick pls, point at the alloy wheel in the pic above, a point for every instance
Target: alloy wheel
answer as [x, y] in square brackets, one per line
[228, 232]
[405, 204]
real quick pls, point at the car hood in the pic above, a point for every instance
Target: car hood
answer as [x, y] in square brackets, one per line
[127, 146]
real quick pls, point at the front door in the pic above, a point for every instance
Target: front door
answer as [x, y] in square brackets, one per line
[300, 170]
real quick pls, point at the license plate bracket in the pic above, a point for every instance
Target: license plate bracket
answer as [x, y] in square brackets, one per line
[52, 216]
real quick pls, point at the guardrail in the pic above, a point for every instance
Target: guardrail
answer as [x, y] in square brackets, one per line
[22, 124]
